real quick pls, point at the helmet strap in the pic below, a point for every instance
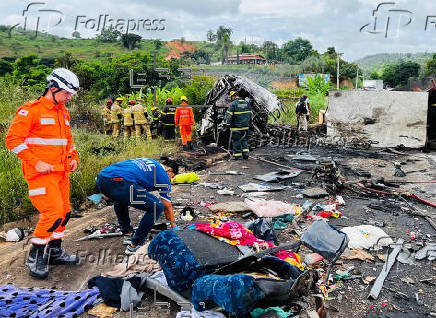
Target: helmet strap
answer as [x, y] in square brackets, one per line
[54, 93]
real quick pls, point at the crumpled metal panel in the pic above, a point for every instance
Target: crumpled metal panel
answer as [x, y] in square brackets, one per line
[263, 104]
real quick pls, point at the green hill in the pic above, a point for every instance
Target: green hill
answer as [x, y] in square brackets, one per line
[377, 61]
[48, 46]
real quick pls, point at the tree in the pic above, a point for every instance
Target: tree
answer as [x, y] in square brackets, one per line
[223, 40]
[430, 66]
[314, 64]
[109, 35]
[66, 61]
[245, 48]
[75, 35]
[331, 50]
[374, 75]
[130, 40]
[157, 44]
[298, 49]
[5, 67]
[270, 50]
[28, 72]
[316, 85]
[201, 57]
[210, 36]
[398, 74]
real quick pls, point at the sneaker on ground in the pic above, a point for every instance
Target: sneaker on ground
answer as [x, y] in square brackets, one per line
[130, 250]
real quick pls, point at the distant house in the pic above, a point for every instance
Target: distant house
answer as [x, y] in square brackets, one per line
[246, 59]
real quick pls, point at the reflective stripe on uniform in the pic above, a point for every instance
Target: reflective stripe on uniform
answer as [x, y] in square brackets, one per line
[19, 148]
[47, 121]
[244, 112]
[37, 191]
[237, 154]
[37, 240]
[245, 150]
[58, 235]
[242, 128]
[46, 141]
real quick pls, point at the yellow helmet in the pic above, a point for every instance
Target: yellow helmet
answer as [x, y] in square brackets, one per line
[120, 99]
[184, 98]
[233, 93]
[153, 108]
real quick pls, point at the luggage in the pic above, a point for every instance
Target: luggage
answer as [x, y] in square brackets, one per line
[186, 255]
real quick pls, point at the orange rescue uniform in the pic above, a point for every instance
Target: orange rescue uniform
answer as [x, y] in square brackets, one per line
[41, 131]
[184, 117]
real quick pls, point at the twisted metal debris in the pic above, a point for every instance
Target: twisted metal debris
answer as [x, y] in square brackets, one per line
[265, 105]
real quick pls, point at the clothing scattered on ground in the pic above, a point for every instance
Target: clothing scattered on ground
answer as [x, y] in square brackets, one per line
[196, 314]
[120, 292]
[47, 303]
[231, 232]
[269, 208]
[136, 263]
[366, 236]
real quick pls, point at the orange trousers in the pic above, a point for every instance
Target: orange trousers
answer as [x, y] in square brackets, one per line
[186, 134]
[50, 195]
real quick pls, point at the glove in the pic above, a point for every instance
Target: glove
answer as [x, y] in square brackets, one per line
[176, 228]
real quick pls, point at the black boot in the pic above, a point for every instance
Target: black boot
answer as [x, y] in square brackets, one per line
[56, 256]
[190, 145]
[185, 147]
[36, 262]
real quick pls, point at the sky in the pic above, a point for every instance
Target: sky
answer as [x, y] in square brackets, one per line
[354, 27]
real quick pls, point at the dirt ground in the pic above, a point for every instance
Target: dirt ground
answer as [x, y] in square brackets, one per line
[404, 282]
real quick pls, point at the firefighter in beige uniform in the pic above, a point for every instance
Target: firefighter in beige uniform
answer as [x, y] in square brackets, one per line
[141, 121]
[106, 112]
[128, 120]
[116, 114]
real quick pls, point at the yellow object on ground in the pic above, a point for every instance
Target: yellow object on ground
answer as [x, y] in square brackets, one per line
[185, 178]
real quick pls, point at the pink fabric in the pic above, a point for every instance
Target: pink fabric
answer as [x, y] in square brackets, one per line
[269, 208]
[233, 231]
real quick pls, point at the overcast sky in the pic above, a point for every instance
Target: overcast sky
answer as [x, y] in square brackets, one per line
[412, 23]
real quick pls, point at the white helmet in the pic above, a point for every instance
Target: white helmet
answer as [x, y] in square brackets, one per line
[64, 79]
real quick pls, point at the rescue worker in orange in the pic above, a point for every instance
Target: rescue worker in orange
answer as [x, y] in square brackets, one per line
[40, 135]
[184, 117]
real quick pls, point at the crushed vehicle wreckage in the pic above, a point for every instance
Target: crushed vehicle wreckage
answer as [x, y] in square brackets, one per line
[265, 105]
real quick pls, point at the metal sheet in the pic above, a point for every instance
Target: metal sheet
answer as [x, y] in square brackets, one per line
[389, 118]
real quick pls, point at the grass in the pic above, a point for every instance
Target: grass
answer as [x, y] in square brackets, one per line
[96, 151]
[317, 102]
[23, 43]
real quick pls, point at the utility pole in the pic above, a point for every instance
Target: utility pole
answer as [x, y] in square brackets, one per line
[357, 77]
[337, 71]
